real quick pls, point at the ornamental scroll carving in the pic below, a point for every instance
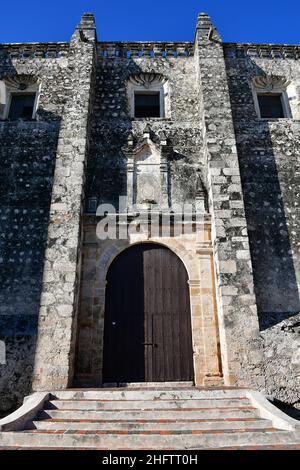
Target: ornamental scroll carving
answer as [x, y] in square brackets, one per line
[270, 83]
[147, 79]
[21, 82]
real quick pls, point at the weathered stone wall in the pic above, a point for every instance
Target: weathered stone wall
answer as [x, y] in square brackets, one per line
[111, 124]
[269, 152]
[106, 173]
[27, 159]
[194, 250]
[57, 327]
[73, 152]
[239, 333]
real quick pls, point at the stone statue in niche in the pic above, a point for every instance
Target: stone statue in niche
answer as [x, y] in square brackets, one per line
[147, 172]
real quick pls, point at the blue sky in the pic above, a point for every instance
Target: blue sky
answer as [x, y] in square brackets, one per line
[153, 20]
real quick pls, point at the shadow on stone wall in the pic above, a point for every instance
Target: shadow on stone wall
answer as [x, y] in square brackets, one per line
[110, 128]
[107, 179]
[27, 155]
[266, 204]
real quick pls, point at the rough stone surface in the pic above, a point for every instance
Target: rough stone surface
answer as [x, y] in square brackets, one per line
[111, 125]
[245, 169]
[55, 348]
[270, 170]
[27, 154]
[242, 360]
[149, 418]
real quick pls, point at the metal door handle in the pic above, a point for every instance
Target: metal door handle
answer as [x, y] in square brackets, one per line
[149, 344]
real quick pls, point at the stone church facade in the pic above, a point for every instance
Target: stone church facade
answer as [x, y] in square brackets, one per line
[204, 127]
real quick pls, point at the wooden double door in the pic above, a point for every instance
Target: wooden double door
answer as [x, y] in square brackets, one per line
[147, 329]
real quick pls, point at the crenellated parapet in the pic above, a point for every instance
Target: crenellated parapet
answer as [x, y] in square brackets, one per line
[40, 50]
[262, 51]
[112, 50]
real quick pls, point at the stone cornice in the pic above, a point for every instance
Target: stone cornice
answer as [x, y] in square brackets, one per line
[262, 51]
[114, 50]
[36, 50]
[124, 217]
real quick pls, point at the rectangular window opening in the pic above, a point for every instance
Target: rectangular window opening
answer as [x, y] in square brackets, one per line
[271, 106]
[147, 105]
[21, 106]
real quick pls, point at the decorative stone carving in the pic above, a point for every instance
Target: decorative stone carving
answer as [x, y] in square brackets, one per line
[148, 83]
[21, 82]
[270, 82]
[147, 171]
[147, 79]
[17, 84]
[12, 84]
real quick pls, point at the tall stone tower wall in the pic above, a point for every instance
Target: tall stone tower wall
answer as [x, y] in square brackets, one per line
[28, 155]
[210, 148]
[269, 153]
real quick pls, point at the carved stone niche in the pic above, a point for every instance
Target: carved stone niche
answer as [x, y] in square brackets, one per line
[147, 172]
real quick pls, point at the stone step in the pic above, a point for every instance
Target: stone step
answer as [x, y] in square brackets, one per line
[263, 447]
[256, 447]
[205, 440]
[150, 432]
[191, 393]
[145, 404]
[147, 385]
[156, 419]
[177, 414]
[217, 425]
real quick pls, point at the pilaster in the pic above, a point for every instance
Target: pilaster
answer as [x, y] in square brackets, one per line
[58, 310]
[239, 330]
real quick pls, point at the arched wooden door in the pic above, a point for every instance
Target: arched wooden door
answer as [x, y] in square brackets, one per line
[147, 330]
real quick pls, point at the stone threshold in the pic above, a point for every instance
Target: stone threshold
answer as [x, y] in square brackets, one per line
[148, 385]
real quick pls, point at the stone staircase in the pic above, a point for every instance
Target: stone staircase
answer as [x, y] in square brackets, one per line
[152, 419]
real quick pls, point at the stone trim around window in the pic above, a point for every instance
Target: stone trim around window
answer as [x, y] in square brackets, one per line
[18, 84]
[272, 85]
[149, 83]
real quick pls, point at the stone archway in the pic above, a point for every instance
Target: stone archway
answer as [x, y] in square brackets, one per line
[147, 326]
[195, 252]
